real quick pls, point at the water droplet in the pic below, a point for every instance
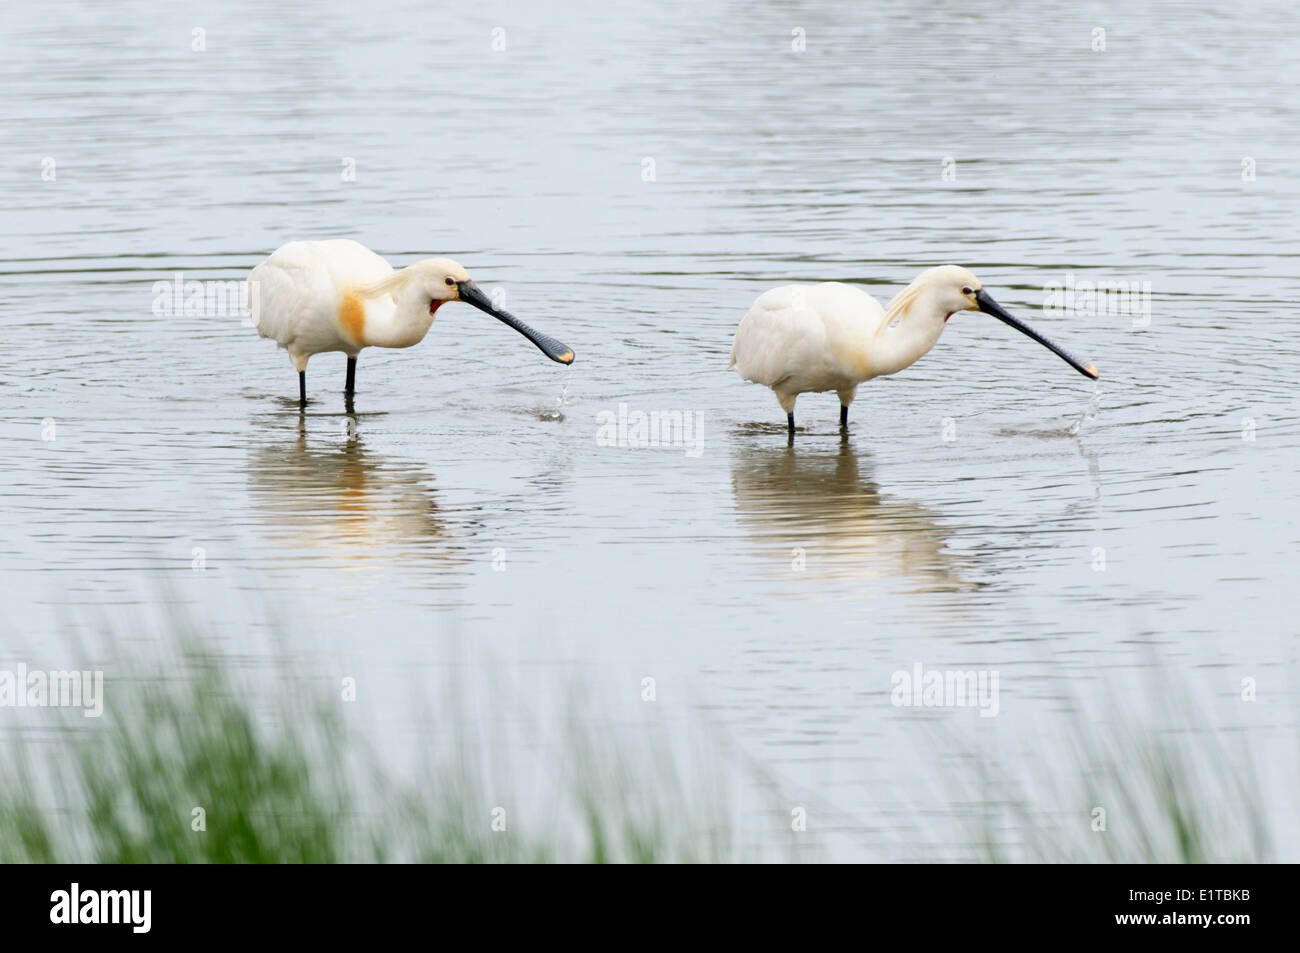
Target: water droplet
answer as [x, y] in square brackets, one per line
[1094, 407]
[558, 412]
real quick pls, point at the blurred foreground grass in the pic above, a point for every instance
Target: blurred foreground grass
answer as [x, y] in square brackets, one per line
[281, 778]
[1159, 785]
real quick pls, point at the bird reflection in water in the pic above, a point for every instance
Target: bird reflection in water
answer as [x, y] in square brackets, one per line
[820, 516]
[327, 495]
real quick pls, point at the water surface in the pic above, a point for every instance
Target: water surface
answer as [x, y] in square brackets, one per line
[466, 498]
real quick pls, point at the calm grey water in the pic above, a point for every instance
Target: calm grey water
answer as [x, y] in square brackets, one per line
[962, 524]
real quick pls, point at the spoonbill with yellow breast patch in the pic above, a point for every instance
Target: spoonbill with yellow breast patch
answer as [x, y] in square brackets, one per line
[338, 295]
[796, 339]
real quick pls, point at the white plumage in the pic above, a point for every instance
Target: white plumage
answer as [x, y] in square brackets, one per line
[338, 295]
[301, 290]
[798, 339]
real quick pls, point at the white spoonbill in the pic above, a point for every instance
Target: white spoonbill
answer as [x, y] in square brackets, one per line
[834, 336]
[338, 295]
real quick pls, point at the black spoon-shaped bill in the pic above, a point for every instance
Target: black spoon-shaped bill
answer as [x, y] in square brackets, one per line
[989, 306]
[471, 293]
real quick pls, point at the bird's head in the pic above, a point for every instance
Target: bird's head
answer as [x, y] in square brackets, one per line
[443, 280]
[438, 278]
[949, 288]
[952, 288]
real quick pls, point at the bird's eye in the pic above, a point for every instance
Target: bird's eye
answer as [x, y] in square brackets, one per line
[967, 291]
[450, 281]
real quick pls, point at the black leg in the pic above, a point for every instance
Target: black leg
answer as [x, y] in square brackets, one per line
[352, 376]
[789, 421]
[844, 416]
[302, 387]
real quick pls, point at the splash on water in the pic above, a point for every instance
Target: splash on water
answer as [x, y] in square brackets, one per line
[558, 413]
[1094, 406]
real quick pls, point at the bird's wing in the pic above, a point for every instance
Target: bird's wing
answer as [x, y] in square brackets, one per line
[350, 263]
[297, 288]
[797, 327]
[851, 318]
[780, 330]
[288, 292]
